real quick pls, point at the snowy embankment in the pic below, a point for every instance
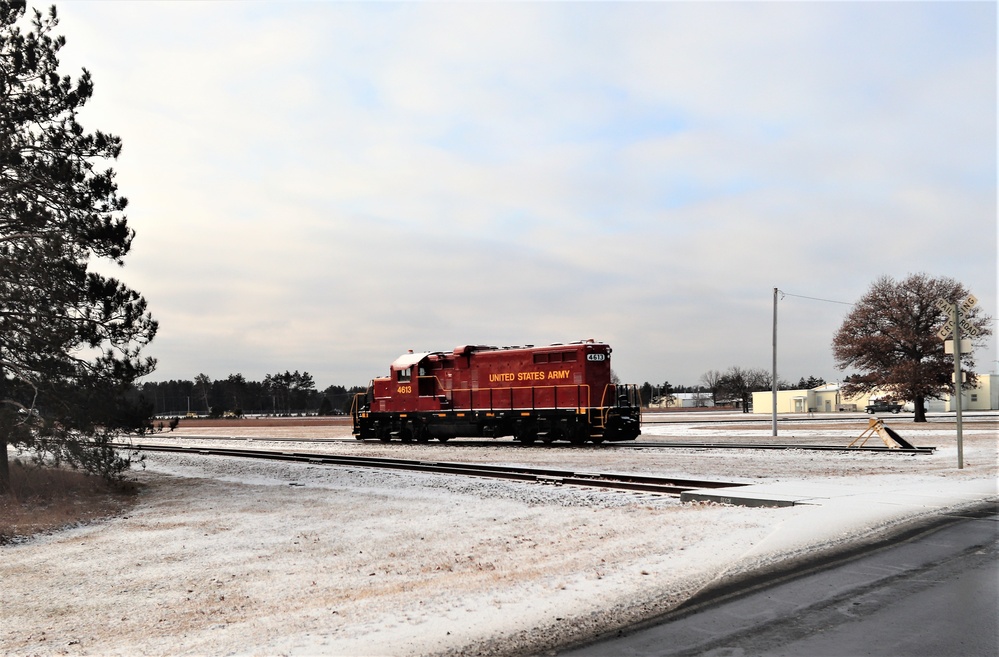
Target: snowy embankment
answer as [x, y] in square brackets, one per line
[227, 556]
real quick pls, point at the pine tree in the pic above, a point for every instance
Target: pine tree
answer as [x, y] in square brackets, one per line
[70, 338]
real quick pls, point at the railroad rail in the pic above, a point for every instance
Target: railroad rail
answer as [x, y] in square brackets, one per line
[614, 481]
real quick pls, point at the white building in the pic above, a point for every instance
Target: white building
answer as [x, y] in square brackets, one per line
[828, 399]
[685, 400]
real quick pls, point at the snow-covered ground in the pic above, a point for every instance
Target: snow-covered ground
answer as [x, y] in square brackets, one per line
[230, 556]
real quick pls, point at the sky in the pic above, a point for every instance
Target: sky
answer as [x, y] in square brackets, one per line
[322, 186]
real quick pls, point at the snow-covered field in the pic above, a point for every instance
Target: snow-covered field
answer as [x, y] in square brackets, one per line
[228, 556]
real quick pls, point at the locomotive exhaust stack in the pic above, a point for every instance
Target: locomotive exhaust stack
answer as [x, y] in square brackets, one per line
[558, 392]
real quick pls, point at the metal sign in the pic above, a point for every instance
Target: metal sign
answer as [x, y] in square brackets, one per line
[947, 308]
[965, 346]
[967, 328]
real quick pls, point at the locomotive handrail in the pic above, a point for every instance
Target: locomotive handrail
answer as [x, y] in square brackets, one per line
[577, 387]
[453, 396]
[355, 405]
[605, 408]
[630, 389]
[438, 388]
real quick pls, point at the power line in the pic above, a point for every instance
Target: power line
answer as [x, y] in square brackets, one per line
[799, 296]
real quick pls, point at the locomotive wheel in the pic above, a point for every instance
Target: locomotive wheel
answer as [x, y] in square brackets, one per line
[555, 432]
[422, 434]
[527, 434]
[443, 439]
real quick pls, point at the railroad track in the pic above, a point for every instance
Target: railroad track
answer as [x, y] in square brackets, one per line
[780, 446]
[626, 482]
[649, 419]
[620, 445]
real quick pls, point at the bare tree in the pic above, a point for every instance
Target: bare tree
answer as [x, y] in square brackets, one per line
[890, 337]
[710, 380]
[203, 384]
[739, 383]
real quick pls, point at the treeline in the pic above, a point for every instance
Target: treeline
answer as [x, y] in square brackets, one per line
[290, 393]
[295, 393]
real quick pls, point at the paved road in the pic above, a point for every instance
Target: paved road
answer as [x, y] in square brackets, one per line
[935, 594]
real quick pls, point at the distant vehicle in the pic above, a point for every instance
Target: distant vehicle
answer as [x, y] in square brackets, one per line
[883, 407]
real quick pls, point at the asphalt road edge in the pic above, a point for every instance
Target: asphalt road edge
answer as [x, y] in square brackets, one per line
[795, 567]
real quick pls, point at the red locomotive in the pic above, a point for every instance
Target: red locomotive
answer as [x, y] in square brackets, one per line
[558, 392]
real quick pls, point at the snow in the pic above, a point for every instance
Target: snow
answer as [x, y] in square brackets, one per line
[240, 557]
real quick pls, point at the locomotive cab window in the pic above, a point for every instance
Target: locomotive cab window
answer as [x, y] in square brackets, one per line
[406, 374]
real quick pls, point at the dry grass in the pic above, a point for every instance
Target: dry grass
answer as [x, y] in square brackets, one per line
[44, 499]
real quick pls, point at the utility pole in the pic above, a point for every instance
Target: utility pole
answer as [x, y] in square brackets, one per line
[773, 384]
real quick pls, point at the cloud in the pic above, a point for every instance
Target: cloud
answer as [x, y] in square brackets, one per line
[320, 186]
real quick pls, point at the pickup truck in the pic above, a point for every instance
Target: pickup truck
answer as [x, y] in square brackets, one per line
[883, 407]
